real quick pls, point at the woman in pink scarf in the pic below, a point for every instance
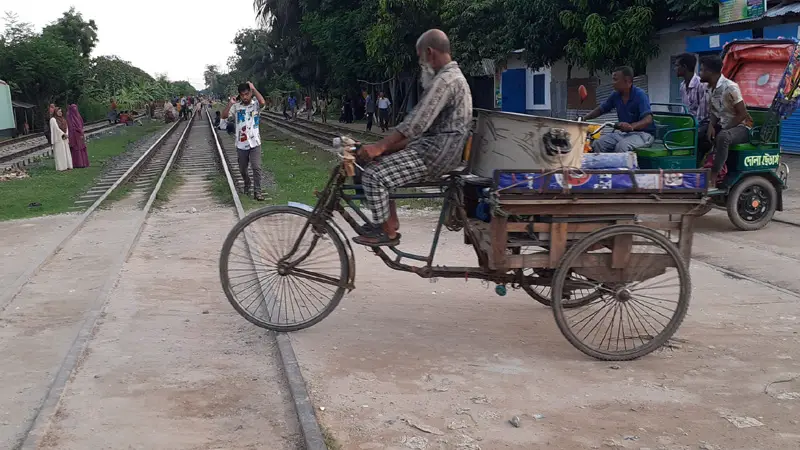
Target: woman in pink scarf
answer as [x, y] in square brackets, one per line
[77, 141]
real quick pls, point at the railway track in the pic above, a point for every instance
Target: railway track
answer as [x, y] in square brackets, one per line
[89, 126]
[318, 131]
[322, 135]
[309, 426]
[173, 152]
[157, 159]
[21, 151]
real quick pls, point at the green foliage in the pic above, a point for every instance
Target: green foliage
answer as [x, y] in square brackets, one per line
[691, 9]
[182, 87]
[58, 191]
[55, 67]
[392, 39]
[339, 33]
[491, 29]
[329, 44]
[73, 30]
[42, 69]
[605, 35]
[109, 74]
[92, 109]
[15, 31]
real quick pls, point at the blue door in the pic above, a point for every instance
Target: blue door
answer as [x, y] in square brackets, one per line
[513, 83]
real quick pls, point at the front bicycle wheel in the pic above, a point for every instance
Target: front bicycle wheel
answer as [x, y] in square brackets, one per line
[273, 287]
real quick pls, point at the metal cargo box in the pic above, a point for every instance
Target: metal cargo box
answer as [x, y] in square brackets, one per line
[508, 141]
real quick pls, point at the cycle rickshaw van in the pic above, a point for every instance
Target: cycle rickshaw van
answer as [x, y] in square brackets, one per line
[573, 238]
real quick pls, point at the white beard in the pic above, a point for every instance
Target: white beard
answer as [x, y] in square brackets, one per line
[426, 77]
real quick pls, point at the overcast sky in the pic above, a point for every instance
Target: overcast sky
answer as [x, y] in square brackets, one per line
[176, 38]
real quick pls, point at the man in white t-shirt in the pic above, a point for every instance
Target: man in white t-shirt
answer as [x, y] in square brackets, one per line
[383, 111]
[184, 108]
[248, 140]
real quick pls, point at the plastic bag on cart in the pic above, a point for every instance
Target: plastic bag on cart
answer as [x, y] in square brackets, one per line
[625, 160]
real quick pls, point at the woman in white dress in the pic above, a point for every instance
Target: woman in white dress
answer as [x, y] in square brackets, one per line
[59, 136]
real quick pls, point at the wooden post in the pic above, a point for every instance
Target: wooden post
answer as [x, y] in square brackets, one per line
[621, 251]
[499, 239]
[558, 243]
[686, 237]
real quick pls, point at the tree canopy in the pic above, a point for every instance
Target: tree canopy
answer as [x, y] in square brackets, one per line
[330, 44]
[74, 31]
[56, 66]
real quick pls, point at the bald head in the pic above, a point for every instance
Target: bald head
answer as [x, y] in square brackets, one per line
[433, 49]
[435, 40]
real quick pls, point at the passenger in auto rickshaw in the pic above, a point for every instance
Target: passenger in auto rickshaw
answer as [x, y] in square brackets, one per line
[636, 128]
[729, 122]
[694, 94]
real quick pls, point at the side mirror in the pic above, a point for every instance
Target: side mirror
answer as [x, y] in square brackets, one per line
[583, 93]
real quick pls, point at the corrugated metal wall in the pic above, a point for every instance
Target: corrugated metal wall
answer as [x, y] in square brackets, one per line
[790, 134]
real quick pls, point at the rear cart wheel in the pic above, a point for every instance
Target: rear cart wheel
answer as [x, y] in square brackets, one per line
[276, 290]
[537, 283]
[640, 306]
[752, 203]
[573, 298]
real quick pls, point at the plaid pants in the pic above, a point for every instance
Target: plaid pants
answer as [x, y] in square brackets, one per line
[388, 173]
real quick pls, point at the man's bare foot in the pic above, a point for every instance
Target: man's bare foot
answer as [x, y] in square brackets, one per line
[394, 221]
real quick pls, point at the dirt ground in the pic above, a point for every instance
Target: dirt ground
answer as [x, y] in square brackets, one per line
[171, 365]
[25, 242]
[38, 327]
[401, 364]
[456, 359]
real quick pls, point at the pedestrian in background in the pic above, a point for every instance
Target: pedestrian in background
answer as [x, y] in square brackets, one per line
[113, 115]
[383, 111]
[77, 140]
[309, 107]
[293, 106]
[183, 107]
[248, 140]
[370, 110]
[322, 105]
[59, 134]
[348, 110]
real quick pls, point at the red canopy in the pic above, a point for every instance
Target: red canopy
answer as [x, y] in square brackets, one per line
[758, 69]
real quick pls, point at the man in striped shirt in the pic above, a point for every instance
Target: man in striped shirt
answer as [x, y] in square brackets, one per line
[427, 145]
[694, 93]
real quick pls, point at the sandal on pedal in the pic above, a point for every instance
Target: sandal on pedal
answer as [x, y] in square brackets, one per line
[377, 239]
